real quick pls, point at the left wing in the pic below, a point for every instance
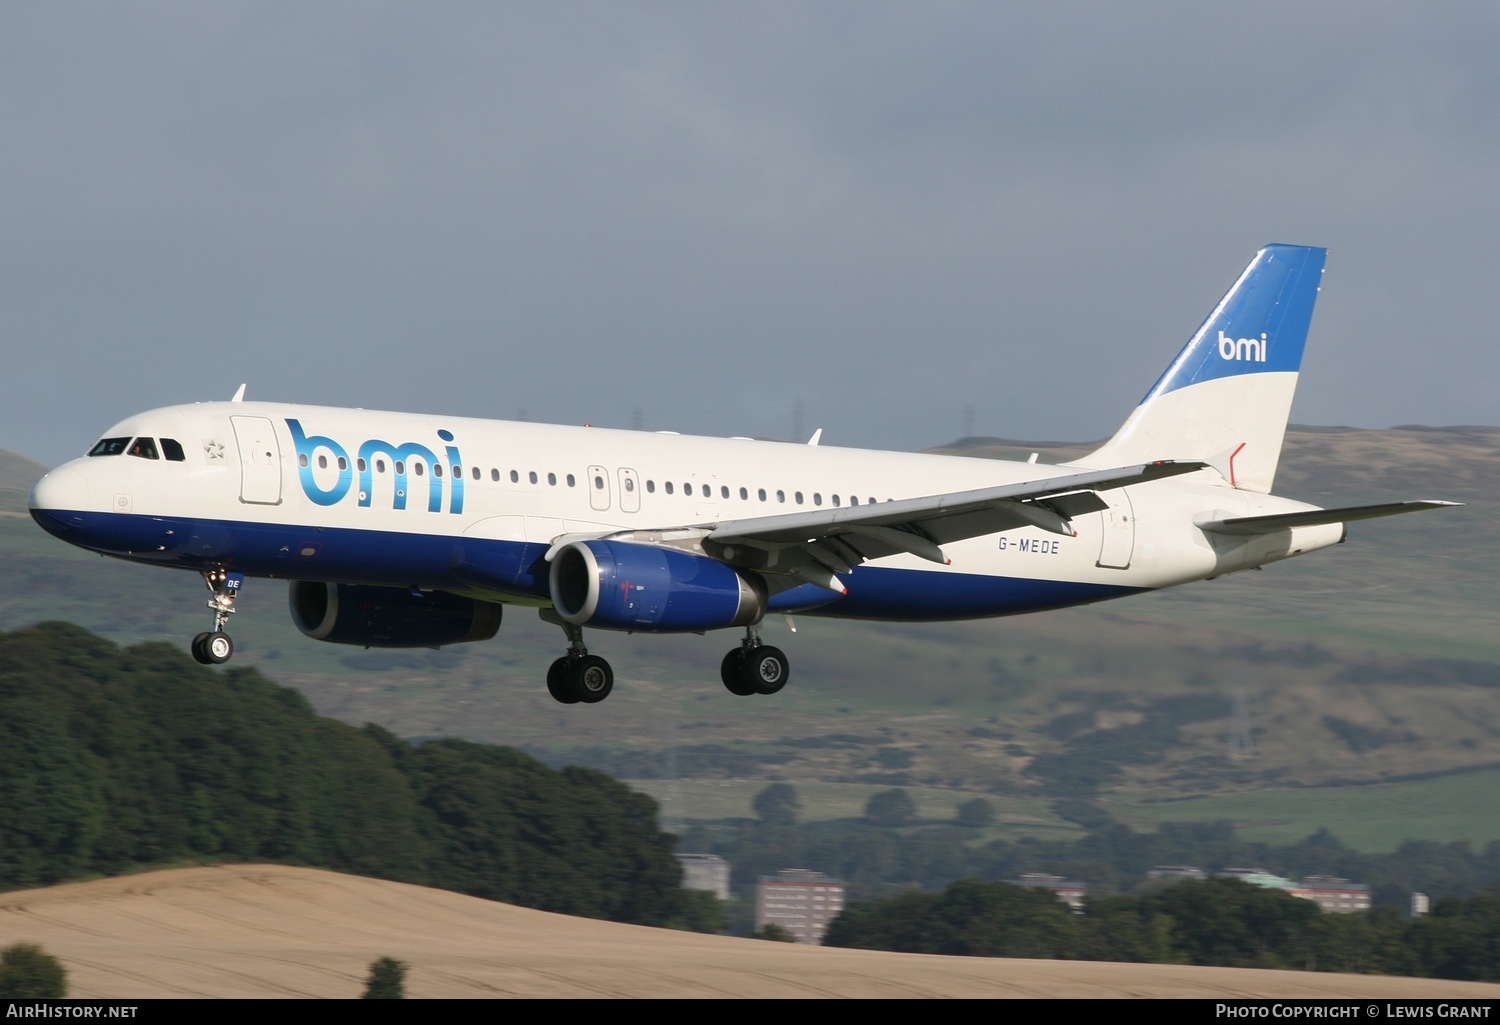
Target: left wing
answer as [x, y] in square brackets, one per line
[814, 546]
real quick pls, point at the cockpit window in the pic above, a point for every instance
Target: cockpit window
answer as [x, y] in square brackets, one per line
[172, 450]
[143, 447]
[109, 447]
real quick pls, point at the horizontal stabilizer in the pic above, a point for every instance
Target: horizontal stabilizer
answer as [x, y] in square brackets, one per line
[1245, 525]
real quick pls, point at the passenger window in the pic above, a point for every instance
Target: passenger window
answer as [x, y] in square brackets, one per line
[109, 447]
[651, 487]
[798, 497]
[343, 463]
[629, 484]
[475, 474]
[400, 467]
[302, 459]
[835, 500]
[853, 500]
[761, 492]
[707, 491]
[418, 469]
[571, 481]
[359, 464]
[669, 487]
[745, 495]
[724, 491]
[780, 495]
[437, 470]
[494, 474]
[532, 476]
[380, 466]
[552, 479]
[143, 447]
[598, 483]
[172, 450]
[515, 478]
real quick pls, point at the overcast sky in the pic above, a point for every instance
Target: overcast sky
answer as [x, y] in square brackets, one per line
[692, 216]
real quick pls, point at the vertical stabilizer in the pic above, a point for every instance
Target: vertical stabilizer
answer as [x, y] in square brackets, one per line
[1226, 398]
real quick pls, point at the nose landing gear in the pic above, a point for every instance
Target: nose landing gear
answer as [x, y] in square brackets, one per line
[215, 647]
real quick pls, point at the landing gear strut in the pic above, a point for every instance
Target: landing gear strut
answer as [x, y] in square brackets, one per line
[753, 667]
[215, 647]
[578, 676]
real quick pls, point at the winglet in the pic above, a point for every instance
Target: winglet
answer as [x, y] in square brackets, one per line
[239, 395]
[817, 437]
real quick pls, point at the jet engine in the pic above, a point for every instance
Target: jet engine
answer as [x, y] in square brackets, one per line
[622, 585]
[389, 617]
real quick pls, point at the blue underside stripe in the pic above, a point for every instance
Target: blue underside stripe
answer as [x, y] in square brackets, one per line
[516, 569]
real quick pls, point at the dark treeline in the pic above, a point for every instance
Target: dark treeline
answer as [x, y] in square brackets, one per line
[1111, 858]
[1207, 922]
[112, 760]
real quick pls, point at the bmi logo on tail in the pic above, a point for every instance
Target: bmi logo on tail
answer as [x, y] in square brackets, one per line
[1250, 350]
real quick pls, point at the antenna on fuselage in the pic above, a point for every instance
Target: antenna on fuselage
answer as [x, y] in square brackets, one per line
[239, 396]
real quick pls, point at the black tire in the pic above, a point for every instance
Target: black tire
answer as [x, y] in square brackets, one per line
[731, 671]
[558, 685]
[217, 648]
[200, 652]
[766, 670]
[592, 679]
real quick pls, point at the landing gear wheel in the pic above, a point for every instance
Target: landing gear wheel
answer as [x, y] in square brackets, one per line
[557, 683]
[731, 671]
[765, 669]
[200, 654]
[213, 649]
[592, 679]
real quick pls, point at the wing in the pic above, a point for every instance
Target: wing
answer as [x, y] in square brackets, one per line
[814, 546]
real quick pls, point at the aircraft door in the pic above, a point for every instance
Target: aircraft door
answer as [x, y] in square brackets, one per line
[260, 460]
[1117, 538]
[630, 491]
[598, 488]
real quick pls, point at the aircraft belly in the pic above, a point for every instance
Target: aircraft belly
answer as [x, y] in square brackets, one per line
[878, 592]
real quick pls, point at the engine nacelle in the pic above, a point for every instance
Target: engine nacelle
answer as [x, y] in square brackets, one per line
[620, 585]
[389, 617]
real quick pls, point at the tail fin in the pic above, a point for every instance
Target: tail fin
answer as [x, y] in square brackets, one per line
[1226, 397]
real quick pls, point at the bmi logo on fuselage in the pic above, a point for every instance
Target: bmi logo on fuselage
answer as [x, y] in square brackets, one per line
[1249, 350]
[318, 452]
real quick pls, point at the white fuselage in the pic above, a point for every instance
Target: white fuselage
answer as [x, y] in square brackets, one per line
[471, 506]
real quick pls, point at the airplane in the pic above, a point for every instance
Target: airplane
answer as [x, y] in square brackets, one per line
[406, 530]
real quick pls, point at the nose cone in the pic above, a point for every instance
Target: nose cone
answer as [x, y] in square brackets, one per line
[61, 492]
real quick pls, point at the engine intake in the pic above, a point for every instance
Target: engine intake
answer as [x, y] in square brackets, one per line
[389, 617]
[621, 585]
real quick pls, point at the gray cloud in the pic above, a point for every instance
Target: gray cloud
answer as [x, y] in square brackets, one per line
[706, 212]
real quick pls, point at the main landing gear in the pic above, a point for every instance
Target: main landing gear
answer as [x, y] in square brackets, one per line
[579, 676]
[753, 667]
[214, 647]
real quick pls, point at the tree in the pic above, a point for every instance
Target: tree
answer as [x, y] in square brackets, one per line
[775, 933]
[777, 805]
[890, 808]
[387, 980]
[29, 973]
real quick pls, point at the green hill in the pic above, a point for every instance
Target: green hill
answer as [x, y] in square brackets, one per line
[1373, 662]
